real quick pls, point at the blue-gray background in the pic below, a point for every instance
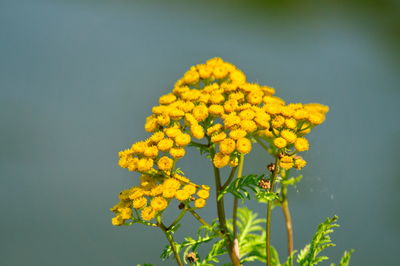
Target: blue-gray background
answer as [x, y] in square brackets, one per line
[77, 79]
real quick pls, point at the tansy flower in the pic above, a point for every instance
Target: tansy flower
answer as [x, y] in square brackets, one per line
[157, 190]
[220, 72]
[220, 160]
[172, 132]
[117, 220]
[280, 143]
[156, 137]
[316, 118]
[248, 125]
[219, 137]
[237, 76]
[151, 151]
[278, 121]
[145, 164]
[217, 98]
[301, 144]
[289, 136]
[139, 202]
[150, 125]
[243, 145]
[299, 163]
[167, 99]
[191, 77]
[255, 97]
[163, 120]
[169, 193]
[216, 109]
[136, 193]
[213, 129]
[286, 162]
[177, 152]
[126, 213]
[200, 203]
[182, 195]
[165, 144]
[190, 188]
[291, 123]
[197, 131]
[230, 105]
[200, 112]
[182, 139]
[204, 194]
[148, 213]
[227, 146]
[181, 178]
[205, 187]
[171, 183]
[300, 114]
[139, 147]
[247, 114]
[175, 113]
[165, 163]
[237, 134]
[231, 120]
[158, 203]
[273, 109]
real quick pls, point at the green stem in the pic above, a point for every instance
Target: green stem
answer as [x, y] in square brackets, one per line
[288, 219]
[221, 213]
[201, 220]
[235, 208]
[170, 240]
[269, 213]
[228, 181]
[180, 216]
[262, 144]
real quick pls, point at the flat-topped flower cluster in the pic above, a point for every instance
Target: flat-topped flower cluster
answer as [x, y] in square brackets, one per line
[211, 105]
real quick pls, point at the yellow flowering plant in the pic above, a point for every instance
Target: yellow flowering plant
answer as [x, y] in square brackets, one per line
[216, 110]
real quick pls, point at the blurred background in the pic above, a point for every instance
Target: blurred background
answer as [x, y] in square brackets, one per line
[78, 78]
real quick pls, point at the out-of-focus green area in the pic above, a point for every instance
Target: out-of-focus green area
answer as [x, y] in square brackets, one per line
[78, 78]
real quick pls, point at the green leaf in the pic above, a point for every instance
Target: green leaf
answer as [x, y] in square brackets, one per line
[308, 256]
[292, 181]
[265, 196]
[240, 187]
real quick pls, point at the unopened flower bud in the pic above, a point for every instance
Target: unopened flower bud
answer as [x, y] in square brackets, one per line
[191, 257]
[264, 184]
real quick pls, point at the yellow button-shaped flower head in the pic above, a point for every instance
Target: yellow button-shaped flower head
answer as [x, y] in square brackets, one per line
[200, 203]
[289, 136]
[139, 202]
[204, 194]
[280, 143]
[301, 144]
[165, 163]
[177, 153]
[227, 146]
[182, 139]
[243, 145]
[220, 160]
[165, 144]
[200, 112]
[286, 162]
[148, 213]
[117, 220]
[159, 203]
[182, 195]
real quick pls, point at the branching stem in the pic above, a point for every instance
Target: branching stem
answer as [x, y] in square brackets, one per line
[269, 212]
[170, 240]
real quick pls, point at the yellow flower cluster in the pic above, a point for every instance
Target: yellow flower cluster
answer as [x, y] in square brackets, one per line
[212, 101]
[153, 196]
